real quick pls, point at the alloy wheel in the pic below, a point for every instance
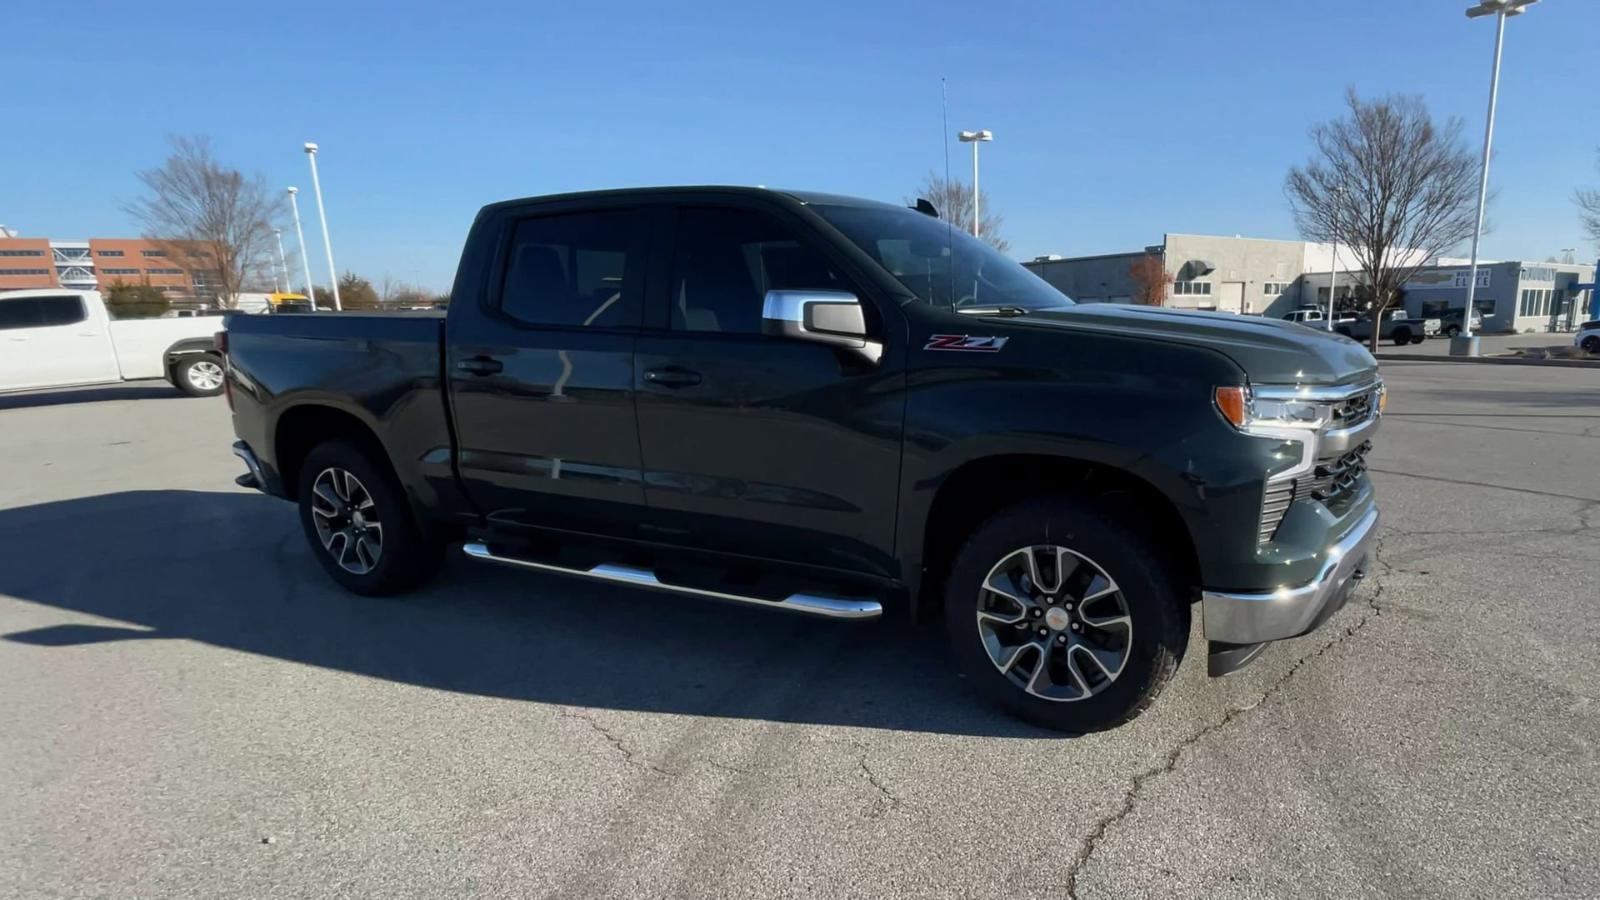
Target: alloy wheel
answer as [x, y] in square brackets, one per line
[205, 375]
[1054, 623]
[346, 519]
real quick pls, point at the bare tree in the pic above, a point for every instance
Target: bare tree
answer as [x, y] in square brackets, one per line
[1589, 209]
[1150, 280]
[1389, 184]
[209, 219]
[953, 200]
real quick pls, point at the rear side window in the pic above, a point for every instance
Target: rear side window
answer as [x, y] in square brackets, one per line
[40, 312]
[725, 262]
[575, 270]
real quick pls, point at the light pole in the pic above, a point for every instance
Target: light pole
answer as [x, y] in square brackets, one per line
[1333, 267]
[1501, 10]
[283, 263]
[305, 261]
[975, 138]
[322, 214]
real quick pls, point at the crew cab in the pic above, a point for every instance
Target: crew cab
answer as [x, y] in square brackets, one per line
[61, 338]
[830, 407]
[1396, 326]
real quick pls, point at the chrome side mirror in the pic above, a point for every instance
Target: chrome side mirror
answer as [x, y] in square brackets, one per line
[835, 318]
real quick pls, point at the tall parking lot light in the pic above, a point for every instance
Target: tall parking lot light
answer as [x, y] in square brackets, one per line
[975, 138]
[1501, 10]
[322, 215]
[283, 262]
[305, 261]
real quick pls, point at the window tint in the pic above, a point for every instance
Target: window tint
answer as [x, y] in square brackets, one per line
[725, 262]
[580, 269]
[38, 312]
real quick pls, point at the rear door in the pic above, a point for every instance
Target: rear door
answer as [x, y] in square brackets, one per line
[541, 370]
[757, 445]
[52, 341]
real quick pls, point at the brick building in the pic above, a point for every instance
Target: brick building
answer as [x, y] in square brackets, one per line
[97, 264]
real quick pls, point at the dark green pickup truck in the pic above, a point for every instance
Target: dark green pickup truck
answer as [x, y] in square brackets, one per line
[831, 407]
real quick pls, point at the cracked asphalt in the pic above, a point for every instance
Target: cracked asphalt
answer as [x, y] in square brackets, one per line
[192, 710]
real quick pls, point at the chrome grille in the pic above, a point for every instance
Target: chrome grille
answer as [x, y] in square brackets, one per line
[1353, 410]
[1274, 506]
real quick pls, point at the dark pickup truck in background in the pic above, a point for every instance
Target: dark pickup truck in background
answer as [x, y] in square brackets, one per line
[1396, 326]
[830, 406]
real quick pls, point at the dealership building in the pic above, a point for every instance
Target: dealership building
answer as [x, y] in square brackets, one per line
[97, 264]
[1256, 276]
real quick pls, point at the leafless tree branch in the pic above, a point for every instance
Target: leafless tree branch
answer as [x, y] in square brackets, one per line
[953, 200]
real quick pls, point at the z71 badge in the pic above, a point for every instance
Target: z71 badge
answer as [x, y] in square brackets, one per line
[967, 342]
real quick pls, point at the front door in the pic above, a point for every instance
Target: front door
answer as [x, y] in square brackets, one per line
[542, 380]
[764, 446]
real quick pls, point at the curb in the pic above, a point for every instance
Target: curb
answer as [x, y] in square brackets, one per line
[1492, 360]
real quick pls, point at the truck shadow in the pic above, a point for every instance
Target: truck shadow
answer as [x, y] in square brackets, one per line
[232, 570]
[144, 390]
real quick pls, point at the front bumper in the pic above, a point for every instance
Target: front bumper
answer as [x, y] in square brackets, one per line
[1256, 617]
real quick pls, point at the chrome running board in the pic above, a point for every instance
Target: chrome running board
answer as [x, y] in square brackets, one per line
[806, 604]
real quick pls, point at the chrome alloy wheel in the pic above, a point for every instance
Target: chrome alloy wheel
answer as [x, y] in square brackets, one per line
[205, 375]
[1054, 623]
[347, 521]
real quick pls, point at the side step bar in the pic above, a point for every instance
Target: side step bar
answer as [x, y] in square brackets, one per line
[827, 607]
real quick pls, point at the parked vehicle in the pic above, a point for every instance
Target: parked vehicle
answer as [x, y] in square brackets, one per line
[1394, 327]
[1587, 338]
[1450, 322]
[60, 338]
[827, 406]
[1314, 316]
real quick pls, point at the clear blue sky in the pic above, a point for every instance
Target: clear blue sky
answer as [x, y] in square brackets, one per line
[1114, 121]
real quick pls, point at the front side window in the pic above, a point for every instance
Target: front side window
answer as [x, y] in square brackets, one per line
[40, 312]
[574, 270]
[726, 260]
[939, 264]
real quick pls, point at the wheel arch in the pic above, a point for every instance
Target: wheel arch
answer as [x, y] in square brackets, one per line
[176, 353]
[302, 427]
[981, 487]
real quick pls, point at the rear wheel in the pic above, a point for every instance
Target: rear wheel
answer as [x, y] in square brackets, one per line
[1418, 338]
[1401, 337]
[1065, 614]
[358, 523]
[199, 375]
[1452, 331]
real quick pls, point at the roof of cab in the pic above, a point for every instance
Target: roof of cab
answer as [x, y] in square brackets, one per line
[805, 197]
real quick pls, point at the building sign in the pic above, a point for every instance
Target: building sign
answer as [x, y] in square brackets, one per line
[1447, 279]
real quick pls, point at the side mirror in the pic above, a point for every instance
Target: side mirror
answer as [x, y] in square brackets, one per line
[834, 318]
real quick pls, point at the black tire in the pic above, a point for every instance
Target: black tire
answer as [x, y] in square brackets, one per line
[1417, 339]
[1151, 597]
[1401, 337]
[1451, 331]
[199, 375]
[1591, 345]
[406, 556]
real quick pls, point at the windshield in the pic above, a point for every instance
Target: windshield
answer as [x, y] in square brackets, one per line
[937, 263]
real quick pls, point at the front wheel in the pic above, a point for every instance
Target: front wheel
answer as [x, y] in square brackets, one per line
[199, 375]
[1452, 331]
[358, 523]
[1591, 345]
[1402, 337]
[1065, 614]
[1417, 339]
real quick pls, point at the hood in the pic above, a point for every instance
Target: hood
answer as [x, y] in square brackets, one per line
[1270, 351]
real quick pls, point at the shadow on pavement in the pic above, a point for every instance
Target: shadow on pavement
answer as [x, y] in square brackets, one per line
[232, 570]
[63, 397]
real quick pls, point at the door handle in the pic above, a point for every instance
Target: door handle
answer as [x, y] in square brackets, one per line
[672, 376]
[480, 365]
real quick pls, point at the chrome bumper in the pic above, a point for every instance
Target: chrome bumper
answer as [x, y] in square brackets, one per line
[1291, 611]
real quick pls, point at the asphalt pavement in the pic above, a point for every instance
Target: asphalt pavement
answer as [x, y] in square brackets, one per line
[193, 710]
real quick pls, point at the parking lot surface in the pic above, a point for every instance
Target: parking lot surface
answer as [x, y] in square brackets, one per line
[194, 710]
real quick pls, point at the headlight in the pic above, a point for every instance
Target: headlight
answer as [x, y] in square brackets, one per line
[1247, 412]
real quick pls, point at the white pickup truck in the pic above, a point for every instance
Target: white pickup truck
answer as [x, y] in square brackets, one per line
[60, 338]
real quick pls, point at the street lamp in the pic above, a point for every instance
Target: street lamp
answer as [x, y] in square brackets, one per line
[305, 261]
[322, 214]
[1501, 10]
[1333, 267]
[288, 282]
[975, 138]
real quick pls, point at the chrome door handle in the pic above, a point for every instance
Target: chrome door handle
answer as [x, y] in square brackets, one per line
[672, 376]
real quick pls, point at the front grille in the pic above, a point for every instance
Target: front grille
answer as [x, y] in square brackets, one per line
[1335, 478]
[1353, 410]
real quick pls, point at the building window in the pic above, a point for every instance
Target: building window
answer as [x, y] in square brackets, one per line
[104, 271]
[1275, 287]
[18, 272]
[152, 253]
[165, 271]
[21, 252]
[109, 252]
[1197, 288]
